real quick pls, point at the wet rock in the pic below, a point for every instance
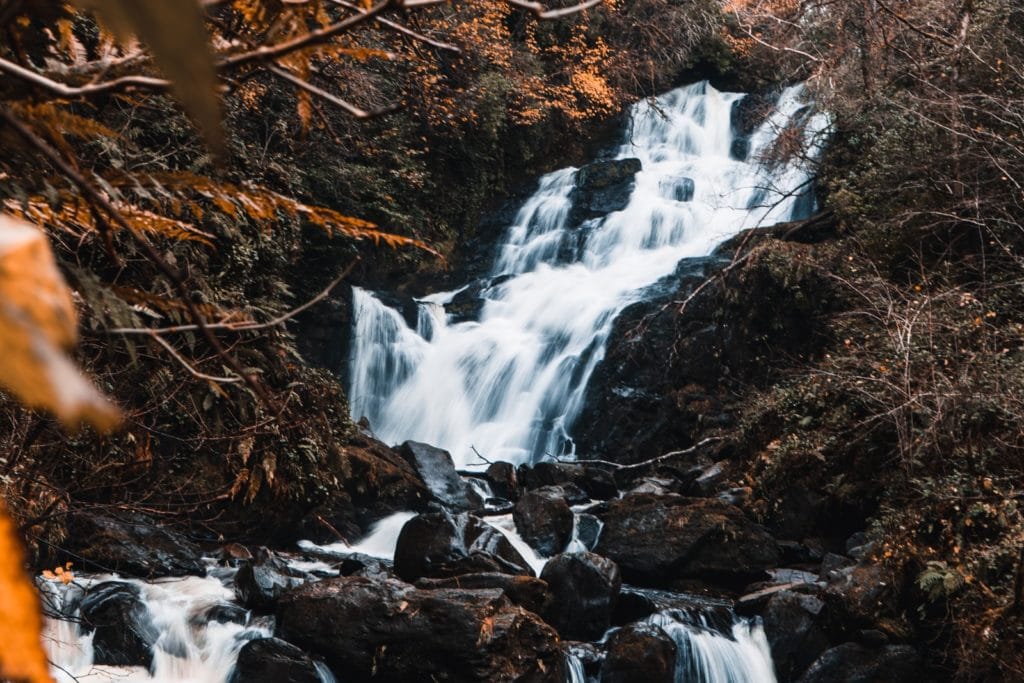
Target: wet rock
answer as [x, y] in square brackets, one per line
[389, 631]
[585, 588]
[588, 530]
[234, 554]
[133, 544]
[858, 597]
[603, 187]
[597, 483]
[656, 485]
[503, 479]
[794, 625]
[440, 544]
[124, 630]
[272, 660]
[544, 520]
[832, 564]
[262, 580]
[467, 304]
[680, 189]
[436, 468]
[527, 591]
[639, 652]
[708, 480]
[656, 539]
[853, 663]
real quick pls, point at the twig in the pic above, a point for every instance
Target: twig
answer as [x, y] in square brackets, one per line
[63, 90]
[404, 30]
[195, 373]
[542, 12]
[637, 465]
[333, 99]
[482, 458]
[246, 326]
[94, 195]
[267, 52]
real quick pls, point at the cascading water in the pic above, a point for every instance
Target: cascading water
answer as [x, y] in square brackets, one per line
[703, 654]
[511, 384]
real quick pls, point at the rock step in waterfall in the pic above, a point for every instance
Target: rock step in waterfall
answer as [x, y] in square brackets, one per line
[514, 573]
[505, 373]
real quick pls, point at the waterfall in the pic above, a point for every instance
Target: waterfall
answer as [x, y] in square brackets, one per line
[511, 384]
[706, 655]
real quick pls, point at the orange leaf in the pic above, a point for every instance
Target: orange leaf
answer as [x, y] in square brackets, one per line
[37, 323]
[21, 652]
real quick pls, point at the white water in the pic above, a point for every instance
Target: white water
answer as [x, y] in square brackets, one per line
[512, 384]
[380, 542]
[706, 656]
[190, 648]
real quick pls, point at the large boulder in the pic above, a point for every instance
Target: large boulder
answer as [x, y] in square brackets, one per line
[656, 539]
[585, 588]
[640, 652]
[132, 544]
[436, 468]
[603, 187]
[794, 625]
[124, 633]
[854, 663]
[594, 481]
[544, 519]
[441, 544]
[272, 660]
[389, 631]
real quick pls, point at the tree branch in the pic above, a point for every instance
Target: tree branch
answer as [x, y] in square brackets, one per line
[542, 12]
[637, 465]
[333, 99]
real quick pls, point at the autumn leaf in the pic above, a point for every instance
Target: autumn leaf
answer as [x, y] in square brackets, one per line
[174, 32]
[37, 323]
[21, 653]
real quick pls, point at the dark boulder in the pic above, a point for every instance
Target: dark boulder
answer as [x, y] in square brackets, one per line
[595, 482]
[656, 539]
[133, 544]
[272, 660]
[853, 663]
[584, 587]
[503, 479]
[436, 468]
[639, 652]
[526, 591]
[544, 520]
[603, 187]
[794, 625]
[680, 189]
[262, 580]
[440, 544]
[469, 301]
[588, 530]
[124, 630]
[389, 631]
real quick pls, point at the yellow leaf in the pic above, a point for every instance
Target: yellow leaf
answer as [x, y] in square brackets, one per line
[37, 322]
[21, 653]
[176, 35]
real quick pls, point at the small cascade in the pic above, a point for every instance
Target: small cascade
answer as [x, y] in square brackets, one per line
[380, 542]
[708, 653]
[192, 644]
[574, 669]
[510, 384]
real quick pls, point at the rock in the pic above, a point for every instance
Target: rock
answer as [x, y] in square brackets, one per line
[262, 580]
[234, 554]
[467, 304]
[440, 544]
[680, 189]
[272, 660]
[639, 652]
[603, 187]
[588, 530]
[389, 631]
[503, 479]
[132, 544]
[544, 519]
[858, 597]
[436, 468]
[709, 479]
[527, 591]
[656, 539]
[584, 587]
[657, 485]
[596, 482]
[832, 564]
[124, 630]
[853, 663]
[794, 626]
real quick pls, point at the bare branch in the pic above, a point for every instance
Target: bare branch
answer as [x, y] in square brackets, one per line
[619, 466]
[63, 90]
[333, 99]
[542, 12]
[246, 326]
[404, 30]
[195, 373]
